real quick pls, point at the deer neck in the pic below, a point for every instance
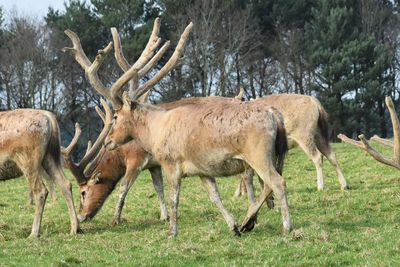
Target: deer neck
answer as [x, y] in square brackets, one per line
[144, 123]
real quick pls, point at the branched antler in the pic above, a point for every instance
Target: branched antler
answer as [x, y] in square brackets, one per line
[135, 90]
[364, 144]
[382, 141]
[147, 60]
[77, 169]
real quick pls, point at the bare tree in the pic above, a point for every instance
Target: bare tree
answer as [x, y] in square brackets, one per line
[223, 40]
[26, 63]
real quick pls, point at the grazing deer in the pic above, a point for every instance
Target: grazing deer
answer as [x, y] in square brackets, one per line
[127, 161]
[215, 138]
[98, 174]
[306, 124]
[100, 170]
[30, 146]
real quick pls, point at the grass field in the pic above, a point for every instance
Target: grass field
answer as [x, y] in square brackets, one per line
[332, 228]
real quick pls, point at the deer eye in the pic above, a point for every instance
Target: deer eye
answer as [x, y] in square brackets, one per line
[83, 194]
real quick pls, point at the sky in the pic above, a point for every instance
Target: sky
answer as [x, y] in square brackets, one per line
[34, 8]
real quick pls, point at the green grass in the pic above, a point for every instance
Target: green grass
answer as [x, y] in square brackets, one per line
[332, 228]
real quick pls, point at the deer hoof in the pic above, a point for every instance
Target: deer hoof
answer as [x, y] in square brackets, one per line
[236, 230]
[164, 218]
[115, 222]
[248, 225]
[172, 235]
[270, 203]
[287, 231]
[344, 188]
[33, 236]
[75, 231]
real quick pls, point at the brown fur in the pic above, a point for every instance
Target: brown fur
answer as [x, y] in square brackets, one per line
[124, 162]
[111, 166]
[306, 123]
[217, 138]
[30, 145]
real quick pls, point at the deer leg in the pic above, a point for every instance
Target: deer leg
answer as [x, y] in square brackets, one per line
[210, 184]
[30, 198]
[127, 182]
[331, 156]
[251, 216]
[312, 152]
[157, 179]
[248, 181]
[261, 161]
[239, 186]
[317, 159]
[174, 183]
[270, 198]
[272, 180]
[39, 193]
[278, 185]
[57, 173]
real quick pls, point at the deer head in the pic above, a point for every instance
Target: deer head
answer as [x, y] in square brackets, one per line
[83, 170]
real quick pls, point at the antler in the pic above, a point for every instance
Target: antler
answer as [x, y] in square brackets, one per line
[145, 62]
[363, 144]
[382, 141]
[77, 169]
[135, 90]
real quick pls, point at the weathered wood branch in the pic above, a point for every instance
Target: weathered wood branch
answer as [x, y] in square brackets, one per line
[364, 144]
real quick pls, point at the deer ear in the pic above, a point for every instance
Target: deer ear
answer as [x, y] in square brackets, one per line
[126, 101]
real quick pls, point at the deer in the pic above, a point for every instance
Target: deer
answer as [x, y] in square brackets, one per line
[96, 183]
[306, 123]
[99, 170]
[30, 146]
[214, 138]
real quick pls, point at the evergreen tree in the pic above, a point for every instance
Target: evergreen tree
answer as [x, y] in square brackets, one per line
[348, 65]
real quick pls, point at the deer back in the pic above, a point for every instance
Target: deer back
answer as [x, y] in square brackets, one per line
[303, 115]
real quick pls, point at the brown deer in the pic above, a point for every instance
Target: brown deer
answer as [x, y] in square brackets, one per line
[200, 140]
[217, 138]
[98, 174]
[126, 161]
[100, 170]
[96, 185]
[306, 124]
[30, 146]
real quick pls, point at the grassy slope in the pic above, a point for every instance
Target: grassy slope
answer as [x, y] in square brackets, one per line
[358, 227]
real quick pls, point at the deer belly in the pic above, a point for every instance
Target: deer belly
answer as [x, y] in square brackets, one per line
[9, 170]
[225, 167]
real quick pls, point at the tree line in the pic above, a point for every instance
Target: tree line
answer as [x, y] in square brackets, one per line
[344, 52]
